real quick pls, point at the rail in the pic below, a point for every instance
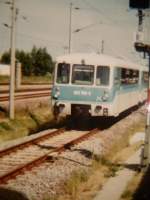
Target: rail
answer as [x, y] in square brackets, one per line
[40, 159]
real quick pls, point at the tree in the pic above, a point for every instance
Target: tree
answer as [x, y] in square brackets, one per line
[26, 61]
[5, 59]
[42, 61]
[37, 62]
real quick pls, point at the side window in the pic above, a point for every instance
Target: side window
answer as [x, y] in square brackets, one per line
[129, 76]
[102, 75]
[117, 75]
[63, 73]
[145, 77]
[125, 76]
[135, 76]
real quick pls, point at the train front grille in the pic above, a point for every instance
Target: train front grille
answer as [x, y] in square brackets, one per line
[79, 109]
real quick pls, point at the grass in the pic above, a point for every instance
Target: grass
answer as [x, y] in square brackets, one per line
[4, 79]
[51, 198]
[72, 184]
[82, 184]
[79, 187]
[37, 79]
[47, 79]
[6, 126]
[112, 170]
[131, 187]
[26, 122]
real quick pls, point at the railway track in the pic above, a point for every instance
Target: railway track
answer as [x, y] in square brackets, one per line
[23, 83]
[27, 90]
[26, 94]
[19, 158]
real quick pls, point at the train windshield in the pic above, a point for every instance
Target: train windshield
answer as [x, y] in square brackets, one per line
[63, 72]
[83, 74]
[102, 75]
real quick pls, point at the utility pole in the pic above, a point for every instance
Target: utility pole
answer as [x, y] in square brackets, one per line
[143, 46]
[140, 16]
[146, 150]
[140, 46]
[102, 47]
[12, 67]
[139, 34]
[70, 28]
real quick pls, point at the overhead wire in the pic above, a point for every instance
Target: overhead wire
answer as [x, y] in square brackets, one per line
[104, 17]
[110, 21]
[37, 38]
[99, 12]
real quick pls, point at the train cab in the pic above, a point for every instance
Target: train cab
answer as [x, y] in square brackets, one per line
[94, 85]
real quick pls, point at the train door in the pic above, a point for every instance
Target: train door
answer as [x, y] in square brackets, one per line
[125, 92]
[143, 86]
[116, 89]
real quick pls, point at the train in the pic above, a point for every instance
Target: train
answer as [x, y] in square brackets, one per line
[97, 85]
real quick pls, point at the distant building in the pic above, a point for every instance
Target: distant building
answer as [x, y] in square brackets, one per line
[4, 70]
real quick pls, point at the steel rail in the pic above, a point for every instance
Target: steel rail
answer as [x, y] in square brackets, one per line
[35, 83]
[27, 90]
[43, 158]
[26, 96]
[30, 142]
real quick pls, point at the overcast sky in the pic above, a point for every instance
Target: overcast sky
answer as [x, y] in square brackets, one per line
[45, 23]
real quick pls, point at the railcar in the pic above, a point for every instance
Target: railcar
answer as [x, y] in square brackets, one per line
[97, 85]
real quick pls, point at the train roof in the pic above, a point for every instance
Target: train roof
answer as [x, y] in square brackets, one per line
[98, 59]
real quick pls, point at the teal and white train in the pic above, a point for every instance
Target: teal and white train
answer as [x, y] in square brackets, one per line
[97, 85]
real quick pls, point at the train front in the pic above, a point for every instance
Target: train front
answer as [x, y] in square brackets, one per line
[80, 90]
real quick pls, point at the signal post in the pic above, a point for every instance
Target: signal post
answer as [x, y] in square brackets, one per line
[145, 159]
[143, 46]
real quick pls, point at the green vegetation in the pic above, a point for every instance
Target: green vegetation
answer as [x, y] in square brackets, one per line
[37, 62]
[84, 184]
[4, 79]
[54, 197]
[132, 187]
[47, 79]
[26, 122]
[73, 183]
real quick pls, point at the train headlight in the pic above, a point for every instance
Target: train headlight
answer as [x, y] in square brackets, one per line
[57, 92]
[98, 109]
[61, 107]
[105, 96]
[105, 111]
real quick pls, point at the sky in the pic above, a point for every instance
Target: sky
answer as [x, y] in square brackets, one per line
[45, 23]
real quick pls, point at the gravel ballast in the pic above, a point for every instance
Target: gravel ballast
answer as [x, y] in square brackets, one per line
[47, 180]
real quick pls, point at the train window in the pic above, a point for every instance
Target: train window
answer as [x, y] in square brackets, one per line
[83, 74]
[63, 71]
[145, 77]
[102, 75]
[129, 76]
[117, 75]
[135, 76]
